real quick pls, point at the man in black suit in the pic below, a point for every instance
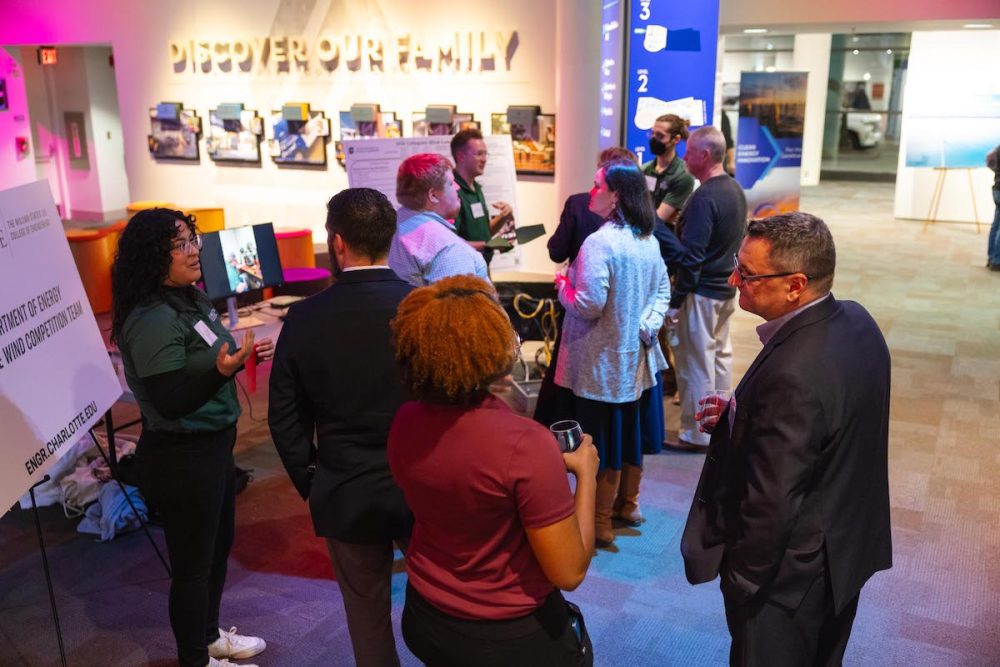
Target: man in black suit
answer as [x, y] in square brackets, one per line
[334, 374]
[792, 508]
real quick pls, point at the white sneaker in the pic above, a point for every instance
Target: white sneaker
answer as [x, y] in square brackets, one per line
[212, 662]
[231, 645]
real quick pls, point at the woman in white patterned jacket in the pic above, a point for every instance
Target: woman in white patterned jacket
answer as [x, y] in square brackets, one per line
[615, 295]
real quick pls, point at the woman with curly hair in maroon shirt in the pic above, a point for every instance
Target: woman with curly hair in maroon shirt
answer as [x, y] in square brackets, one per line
[497, 530]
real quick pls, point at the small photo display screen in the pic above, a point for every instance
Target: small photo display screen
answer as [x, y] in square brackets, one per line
[240, 259]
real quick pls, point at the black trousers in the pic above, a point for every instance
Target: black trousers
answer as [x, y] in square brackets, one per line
[190, 479]
[554, 634]
[364, 574]
[767, 634]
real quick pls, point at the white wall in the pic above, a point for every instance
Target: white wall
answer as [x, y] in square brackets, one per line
[734, 63]
[14, 122]
[83, 193]
[812, 55]
[140, 33]
[52, 91]
[947, 66]
[108, 146]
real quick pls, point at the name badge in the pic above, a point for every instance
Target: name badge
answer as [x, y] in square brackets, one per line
[651, 183]
[477, 209]
[206, 334]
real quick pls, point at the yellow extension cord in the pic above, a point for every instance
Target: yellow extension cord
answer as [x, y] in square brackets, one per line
[546, 309]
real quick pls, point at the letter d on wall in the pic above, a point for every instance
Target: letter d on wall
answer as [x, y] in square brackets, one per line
[178, 56]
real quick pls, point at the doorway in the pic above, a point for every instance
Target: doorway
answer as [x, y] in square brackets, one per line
[67, 99]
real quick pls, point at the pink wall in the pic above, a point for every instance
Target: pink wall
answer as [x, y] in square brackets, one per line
[14, 169]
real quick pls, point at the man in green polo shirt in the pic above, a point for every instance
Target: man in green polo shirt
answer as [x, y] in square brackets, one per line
[667, 177]
[473, 222]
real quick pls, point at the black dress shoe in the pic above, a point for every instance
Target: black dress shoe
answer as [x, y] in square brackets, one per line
[684, 446]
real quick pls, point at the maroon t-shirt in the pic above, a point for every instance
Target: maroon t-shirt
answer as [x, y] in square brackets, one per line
[475, 478]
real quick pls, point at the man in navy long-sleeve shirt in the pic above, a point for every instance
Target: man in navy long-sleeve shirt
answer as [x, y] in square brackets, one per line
[709, 233]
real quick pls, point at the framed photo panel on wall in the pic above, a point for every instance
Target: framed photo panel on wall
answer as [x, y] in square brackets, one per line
[533, 135]
[234, 134]
[298, 135]
[174, 132]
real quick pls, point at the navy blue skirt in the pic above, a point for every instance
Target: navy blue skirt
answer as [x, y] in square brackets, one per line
[622, 432]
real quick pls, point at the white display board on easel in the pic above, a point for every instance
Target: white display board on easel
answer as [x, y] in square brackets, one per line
[56, 379]
[373, 163]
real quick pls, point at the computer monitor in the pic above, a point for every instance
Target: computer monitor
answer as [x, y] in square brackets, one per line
[239, 260]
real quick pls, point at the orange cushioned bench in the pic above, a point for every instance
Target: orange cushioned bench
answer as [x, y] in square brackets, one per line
[94, 251]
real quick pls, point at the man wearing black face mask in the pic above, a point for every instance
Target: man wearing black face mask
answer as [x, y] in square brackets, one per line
[668, 179]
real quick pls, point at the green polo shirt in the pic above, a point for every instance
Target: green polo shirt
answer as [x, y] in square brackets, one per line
[161, 337]
[671, 186]
[468, 224]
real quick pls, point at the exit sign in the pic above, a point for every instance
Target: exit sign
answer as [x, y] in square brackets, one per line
[47, 55]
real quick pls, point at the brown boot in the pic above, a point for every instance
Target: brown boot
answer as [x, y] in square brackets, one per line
[627, 502]
[607, 489]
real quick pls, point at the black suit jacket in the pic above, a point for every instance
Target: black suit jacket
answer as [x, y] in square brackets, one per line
[576, 223]
[802, 481]
[334, 391]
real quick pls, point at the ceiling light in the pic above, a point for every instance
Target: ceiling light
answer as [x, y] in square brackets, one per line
[770, 68]
[855, 38]
[867, 76]
[770, 46]
[888, 52]
[754, 31]
[855, 52]
[977, 26]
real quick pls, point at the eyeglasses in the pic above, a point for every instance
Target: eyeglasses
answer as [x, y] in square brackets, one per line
[185, 245]
[744, 278]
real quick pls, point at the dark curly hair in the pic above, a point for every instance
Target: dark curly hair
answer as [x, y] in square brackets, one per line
[452, 340]
[142, 261]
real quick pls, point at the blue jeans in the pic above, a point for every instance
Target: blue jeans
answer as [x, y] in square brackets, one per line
[993, 243]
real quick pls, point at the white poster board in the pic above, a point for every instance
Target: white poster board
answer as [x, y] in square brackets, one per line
[56, 379]
[373, 163]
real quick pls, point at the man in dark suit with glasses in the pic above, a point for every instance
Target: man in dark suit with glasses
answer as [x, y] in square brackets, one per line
[792, 508]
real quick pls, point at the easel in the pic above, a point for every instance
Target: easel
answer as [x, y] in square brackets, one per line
[932, 210]
[48, 575]
[41, 541]
[113, 467]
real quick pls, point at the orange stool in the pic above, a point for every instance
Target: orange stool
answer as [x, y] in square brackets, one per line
[94, 251]
[136, 206]
[114, 231]
[208, 219]
[295, 248]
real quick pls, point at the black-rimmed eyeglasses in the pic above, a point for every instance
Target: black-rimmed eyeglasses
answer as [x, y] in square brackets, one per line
[745, 278]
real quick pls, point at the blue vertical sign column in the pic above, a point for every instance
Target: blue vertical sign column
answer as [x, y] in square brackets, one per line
[612, 53]
[671, 65]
